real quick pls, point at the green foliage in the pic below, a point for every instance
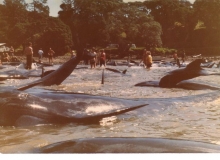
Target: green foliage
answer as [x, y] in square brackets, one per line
[164, 51]
[99, 22]
[167, 13]
[138, 52]
[39, 6]
[57, 36]
[21, 22]
[156, 25]
[200, 25]
[208, 12]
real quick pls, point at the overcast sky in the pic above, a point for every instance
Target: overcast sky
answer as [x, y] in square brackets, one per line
[55, 5]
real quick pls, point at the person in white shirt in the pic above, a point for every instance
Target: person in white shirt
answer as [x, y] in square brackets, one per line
[40, 53]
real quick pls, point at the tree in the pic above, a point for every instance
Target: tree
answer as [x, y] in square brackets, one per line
[167, 13]
[98, 22]
[3, 24]
[39, 6]
[56, 35]
[206, 29]
[21, 23]
[208, 12]
[15, 11]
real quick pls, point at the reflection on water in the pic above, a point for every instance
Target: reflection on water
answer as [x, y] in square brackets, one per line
[191, 120]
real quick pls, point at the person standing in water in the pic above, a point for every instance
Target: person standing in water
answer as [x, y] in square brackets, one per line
[93, 60]
[183, 56]
[147, 59]
[50, 55]
[28, 51]
[40, 54]
[11, 51]
[102, 58]
[73, 54]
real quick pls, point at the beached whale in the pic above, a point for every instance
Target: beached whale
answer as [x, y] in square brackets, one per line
[11, 63]
[129, 145]
[39, 107]
[116, 71]
[19, 72]
[31, 108]
[173, 78]
[12, 74]
[114, 63]
[58, 76]
[208, 65]
[42, 63]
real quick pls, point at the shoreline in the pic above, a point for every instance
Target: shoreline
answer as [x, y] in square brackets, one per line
[62, 59]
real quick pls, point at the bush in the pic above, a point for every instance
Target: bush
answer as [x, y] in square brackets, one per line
[164, 51]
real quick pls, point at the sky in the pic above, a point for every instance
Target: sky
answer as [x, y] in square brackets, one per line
[55, 5]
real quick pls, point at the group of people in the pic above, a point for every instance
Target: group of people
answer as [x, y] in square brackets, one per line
[147, 58]
[99, 58]
[50, 55]
[9, 56]
[28, 51]
[5, 57]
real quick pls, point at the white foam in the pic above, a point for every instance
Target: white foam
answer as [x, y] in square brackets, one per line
[38, 107]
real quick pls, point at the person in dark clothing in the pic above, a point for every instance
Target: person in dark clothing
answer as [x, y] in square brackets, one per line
[102, 58]
[178, 62]
[183, 57]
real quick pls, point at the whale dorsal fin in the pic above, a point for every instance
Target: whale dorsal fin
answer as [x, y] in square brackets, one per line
[195, 64]
[124, 71]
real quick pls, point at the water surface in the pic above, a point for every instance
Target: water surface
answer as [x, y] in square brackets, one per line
[191, 120]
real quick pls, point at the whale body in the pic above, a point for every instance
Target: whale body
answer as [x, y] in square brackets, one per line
[129, 145]
[25, 108]
[58, 76]
[173, 78]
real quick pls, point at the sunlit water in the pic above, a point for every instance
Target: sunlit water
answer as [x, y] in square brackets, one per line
[193, 120]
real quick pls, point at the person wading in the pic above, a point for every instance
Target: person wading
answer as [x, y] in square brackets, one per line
[29, 54]
[50, 55]
[102, 58]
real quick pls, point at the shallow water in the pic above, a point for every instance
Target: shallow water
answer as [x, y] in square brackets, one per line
[191, 120]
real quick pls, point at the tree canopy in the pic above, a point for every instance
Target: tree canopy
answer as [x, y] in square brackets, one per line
[174, 24]
[99, 22]
[21, 22]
